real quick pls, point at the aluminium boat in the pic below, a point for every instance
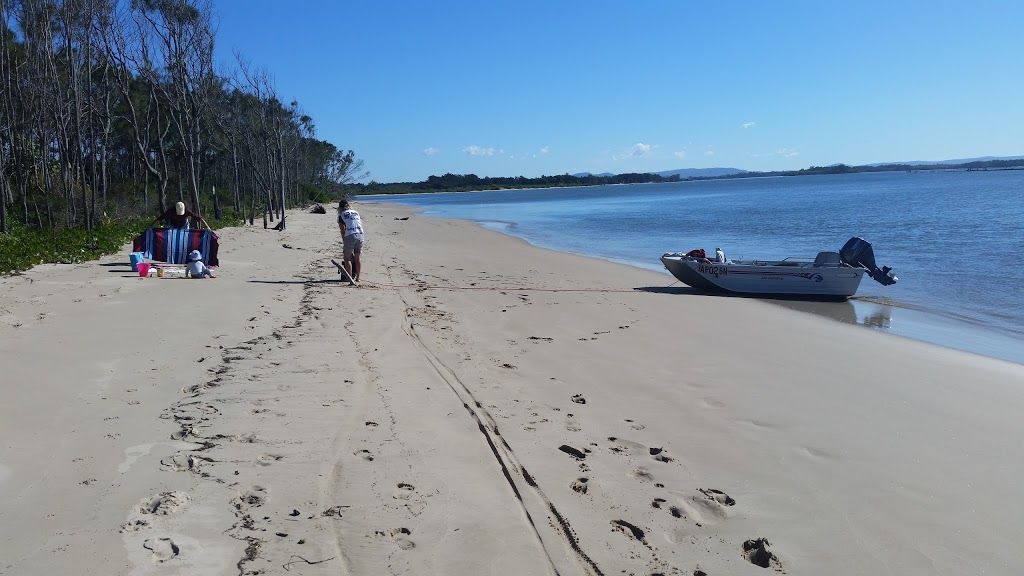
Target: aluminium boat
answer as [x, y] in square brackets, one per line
[830, 275]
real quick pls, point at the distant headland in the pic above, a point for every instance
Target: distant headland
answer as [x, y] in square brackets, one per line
[467, 182]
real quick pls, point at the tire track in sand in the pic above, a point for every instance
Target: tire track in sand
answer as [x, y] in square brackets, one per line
[503, 453]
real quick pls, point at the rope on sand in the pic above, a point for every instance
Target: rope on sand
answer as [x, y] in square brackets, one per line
[498, 288]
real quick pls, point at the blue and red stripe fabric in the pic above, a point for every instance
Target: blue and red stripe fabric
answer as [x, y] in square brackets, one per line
[172, 245]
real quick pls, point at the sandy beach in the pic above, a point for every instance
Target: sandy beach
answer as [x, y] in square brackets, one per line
[481, 406]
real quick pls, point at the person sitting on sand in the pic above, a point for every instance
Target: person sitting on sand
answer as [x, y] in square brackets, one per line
[179, 217]
[196, 268]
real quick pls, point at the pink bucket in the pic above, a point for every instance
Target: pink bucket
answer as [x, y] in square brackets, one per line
[143, 269]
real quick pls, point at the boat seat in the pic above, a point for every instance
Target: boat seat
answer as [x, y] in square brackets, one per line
[827, 259]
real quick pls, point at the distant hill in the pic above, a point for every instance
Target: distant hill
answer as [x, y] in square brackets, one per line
[940, 162]
[682, 173]
[701, 172]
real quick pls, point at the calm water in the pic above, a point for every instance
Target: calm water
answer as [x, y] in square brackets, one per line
[953, 238]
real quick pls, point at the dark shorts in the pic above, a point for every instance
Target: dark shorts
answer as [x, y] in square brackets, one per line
[353, 245]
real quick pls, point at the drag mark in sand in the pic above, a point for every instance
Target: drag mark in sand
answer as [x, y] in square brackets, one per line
[506, 458]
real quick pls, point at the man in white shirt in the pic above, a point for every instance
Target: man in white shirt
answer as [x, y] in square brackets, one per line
[720, 256]
[351, 227]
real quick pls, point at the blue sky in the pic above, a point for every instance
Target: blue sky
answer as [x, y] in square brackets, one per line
[530, 88]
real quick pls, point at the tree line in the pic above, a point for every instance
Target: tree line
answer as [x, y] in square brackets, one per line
[471, 182]
[115, 108]
[466, 182]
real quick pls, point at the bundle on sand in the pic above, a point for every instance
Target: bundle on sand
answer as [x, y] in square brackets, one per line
[172, 245]
[318, 209]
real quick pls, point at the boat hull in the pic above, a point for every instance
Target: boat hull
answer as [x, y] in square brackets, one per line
[803, 280]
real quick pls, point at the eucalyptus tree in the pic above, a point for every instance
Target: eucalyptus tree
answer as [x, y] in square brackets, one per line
[128, 44]
[99, 97]
[184, 42]
[7, 125]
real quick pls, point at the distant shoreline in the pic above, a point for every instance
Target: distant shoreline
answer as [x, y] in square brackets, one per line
[450, 183]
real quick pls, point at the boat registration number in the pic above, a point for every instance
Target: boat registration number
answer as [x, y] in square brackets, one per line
[715, 271]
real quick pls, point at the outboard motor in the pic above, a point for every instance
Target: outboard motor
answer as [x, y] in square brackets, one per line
[857, 252]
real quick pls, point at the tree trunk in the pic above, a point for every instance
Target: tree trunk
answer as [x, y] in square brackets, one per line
[281, 168]
[216, 204]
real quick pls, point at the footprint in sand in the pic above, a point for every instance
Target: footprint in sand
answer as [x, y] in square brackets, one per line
[623, 446]
[163, 549]
[579, 399]
[718, 496]
[134, 525]
[577, 454]
[404, 491]
[634, 425]
[268, 459]
[254, 497]
[659, 455]
[571, 424]
[580, 485]
[629, 530]
[163, 504]
[757, 553]
[180, 463]
[401, 538]
[364, 454]
[641, 474]
[709, 507]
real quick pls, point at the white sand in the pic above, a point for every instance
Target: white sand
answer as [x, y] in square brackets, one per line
[414, 425]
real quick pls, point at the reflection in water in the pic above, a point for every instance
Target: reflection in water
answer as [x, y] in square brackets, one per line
[842, 311]
[880, 319]
[906, 321]
[867, 313]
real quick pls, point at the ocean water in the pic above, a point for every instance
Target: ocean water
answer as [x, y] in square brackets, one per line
[954, 239]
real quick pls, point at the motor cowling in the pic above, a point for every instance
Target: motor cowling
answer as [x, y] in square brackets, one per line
[857, 252]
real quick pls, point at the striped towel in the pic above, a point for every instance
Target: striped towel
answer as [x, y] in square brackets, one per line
[172, 245]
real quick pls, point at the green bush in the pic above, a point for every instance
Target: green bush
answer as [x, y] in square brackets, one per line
[23, 248]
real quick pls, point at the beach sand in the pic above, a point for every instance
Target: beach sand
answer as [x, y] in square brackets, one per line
[481, 406]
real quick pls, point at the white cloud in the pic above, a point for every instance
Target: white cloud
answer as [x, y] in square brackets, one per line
[709, 153]
[783, 152]
[639, 150]
[544, 150]
[478, 151]
[431, 151]
[747, 125]
[680, 154]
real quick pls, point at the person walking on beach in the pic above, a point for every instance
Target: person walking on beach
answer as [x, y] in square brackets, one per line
[351, 227]
[178, 217]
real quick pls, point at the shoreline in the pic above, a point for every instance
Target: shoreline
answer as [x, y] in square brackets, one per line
[915, 322]
[481, 405]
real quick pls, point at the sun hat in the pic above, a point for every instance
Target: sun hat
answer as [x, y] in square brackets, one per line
[194, 255]
[179, 208]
